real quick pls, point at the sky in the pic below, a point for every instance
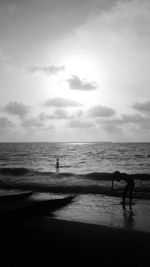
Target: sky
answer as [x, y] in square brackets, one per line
[74, 70]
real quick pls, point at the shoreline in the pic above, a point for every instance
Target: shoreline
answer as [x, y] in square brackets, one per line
[89, 209]
[58, 183]
[95, 189]
[46, 241]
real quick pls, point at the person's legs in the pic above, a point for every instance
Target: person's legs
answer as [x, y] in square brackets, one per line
[130, 194]
[125, 194]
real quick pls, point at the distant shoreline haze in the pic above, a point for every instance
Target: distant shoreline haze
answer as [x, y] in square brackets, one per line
[77, 142]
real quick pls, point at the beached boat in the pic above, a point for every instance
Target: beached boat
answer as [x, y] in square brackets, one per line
[15, 196]
[38, 207]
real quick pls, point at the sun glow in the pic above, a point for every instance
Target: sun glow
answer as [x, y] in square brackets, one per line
[87, 69]
[81, 65]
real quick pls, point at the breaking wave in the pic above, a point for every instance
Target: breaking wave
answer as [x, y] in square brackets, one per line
[92, 175]
[66, 183]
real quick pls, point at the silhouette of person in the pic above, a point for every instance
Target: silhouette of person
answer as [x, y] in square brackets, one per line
[128, 188]
[57, 164]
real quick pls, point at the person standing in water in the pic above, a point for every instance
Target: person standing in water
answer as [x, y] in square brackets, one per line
[128, 188]
[57, 164]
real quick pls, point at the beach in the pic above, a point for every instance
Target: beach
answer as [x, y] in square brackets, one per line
[42, 241]
[33, 234]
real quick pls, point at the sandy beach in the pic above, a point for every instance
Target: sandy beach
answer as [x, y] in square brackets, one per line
[45, 241]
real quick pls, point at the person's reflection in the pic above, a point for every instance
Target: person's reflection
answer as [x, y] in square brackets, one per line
[128, 216]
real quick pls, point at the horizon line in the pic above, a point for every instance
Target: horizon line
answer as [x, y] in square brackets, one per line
[80, 142]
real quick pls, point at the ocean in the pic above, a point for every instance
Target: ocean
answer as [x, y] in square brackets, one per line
[85, 171]
[79, 158]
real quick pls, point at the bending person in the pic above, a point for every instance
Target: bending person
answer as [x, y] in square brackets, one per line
[128, 188]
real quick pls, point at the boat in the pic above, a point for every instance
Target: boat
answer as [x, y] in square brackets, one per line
[15, 196]
[38, 207]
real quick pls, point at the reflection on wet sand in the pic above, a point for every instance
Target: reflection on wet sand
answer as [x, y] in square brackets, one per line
[128, 219]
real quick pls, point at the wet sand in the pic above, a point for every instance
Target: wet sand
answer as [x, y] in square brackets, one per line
[45, 241]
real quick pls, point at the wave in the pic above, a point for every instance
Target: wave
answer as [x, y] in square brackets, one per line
[14, 171]
[64, 183]
[89, 189]
[100, 176]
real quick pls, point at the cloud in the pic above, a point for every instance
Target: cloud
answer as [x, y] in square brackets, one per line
[143, 122]
[120, 42]
[43, 116]
[101, 111]
[59, 114]
[5, 123]
[76, 84]
[48, 70]
[48, 20]
[143, 107]
[123, 123]
[111, 128]
[16, 108]
[111, 125]
[76, 123]
[32, 123]
[61, 102]
[57, 5]
[79, 113]
[3, 57]
[14, 3]
[135, 118]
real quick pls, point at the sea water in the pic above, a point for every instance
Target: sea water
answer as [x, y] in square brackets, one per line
[81, 165]
[77, 157]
